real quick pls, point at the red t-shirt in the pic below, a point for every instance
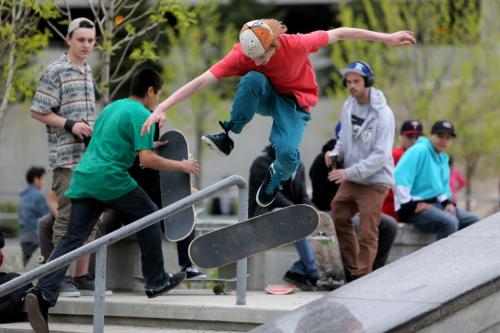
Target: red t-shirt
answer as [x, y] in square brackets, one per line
[388, 205]
[289, 69]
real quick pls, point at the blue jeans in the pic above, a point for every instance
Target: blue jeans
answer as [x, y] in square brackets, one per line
[84, 214]
[306, 265]
[255, 94]
[437, 220]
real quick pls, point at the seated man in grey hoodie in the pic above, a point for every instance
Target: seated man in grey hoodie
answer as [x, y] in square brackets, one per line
[365, 146]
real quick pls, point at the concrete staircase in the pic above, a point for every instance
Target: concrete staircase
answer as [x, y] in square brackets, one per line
[182, 310]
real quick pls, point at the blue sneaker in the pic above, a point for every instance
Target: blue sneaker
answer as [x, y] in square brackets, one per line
[269, 188]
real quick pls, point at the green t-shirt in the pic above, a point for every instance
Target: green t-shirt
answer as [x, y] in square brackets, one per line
[102, 172]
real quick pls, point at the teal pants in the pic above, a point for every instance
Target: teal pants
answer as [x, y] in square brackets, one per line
[255, 94]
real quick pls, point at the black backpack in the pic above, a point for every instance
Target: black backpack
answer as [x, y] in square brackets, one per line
[11, 305]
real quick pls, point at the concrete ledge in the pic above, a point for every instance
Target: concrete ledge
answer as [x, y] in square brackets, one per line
[426, 290]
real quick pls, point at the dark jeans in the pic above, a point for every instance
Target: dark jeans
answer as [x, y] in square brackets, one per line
[109, 221]
[28, 248]
[437, 220]
[84, 214]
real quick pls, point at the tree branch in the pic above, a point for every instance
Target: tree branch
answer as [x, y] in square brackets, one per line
[96, 15]
[124, 54]
[125, 78]
[103, 7]
[119, 5]
[137, 35]
[55, 29]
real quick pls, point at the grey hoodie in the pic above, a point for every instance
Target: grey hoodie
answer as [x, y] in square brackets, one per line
[368, 156]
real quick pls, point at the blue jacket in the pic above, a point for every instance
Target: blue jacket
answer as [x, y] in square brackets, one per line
[32, 206]
[421, 175]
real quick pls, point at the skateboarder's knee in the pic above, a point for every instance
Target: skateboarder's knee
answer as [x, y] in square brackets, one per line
[288, 156]
[254, 79]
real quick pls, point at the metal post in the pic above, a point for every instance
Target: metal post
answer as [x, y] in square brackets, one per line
[100, 289]
[241, 265]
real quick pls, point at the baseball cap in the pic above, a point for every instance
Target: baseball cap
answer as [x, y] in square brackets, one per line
[412, 127]
[443, 126]
[81, 22]
[359, 67]
[255, 38]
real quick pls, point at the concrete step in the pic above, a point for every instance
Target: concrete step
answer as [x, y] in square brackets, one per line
[79, 328]
[187, 310]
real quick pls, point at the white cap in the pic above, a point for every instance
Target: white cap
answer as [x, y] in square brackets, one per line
[255, 38]
[81, 22]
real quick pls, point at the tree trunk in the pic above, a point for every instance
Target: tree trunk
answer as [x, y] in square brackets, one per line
[107, 37]
[7, 85]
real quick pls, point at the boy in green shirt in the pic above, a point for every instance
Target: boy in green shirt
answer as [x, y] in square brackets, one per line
[101, 180]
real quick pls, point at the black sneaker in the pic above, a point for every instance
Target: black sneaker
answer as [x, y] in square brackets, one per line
[38, 311]
[86, 286]
[221, 142]
[193, 272]
[268, 189]
[171, 282]
[301, 281]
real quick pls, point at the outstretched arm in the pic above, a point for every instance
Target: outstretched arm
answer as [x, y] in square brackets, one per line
[158, 116]
[149, 159]
[399, 38]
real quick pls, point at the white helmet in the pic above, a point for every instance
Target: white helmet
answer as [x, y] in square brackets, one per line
[255, 38]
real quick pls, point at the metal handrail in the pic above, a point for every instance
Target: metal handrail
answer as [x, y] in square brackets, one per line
[99, 245]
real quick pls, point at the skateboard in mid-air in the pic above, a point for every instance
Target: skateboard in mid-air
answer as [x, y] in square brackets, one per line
[258, 234]
[176, 185]
[327, 252]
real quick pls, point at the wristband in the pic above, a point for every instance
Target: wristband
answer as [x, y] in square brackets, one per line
[68, 125]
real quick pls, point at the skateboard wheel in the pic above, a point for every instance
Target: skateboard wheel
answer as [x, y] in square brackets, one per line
[40, 259]
[218, 290]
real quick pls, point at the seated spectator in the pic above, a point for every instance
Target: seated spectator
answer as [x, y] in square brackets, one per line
[11, 305]
[422, 192]
[32, 206]
[324, 191]
[410, 131]
[304, 273]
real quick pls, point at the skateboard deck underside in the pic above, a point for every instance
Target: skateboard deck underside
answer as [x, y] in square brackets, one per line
[253, 236]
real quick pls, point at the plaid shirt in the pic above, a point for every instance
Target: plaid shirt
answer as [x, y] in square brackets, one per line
[69, 93]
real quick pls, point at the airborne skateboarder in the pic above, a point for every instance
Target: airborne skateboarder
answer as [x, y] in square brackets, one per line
[277, 81]
[101, 180]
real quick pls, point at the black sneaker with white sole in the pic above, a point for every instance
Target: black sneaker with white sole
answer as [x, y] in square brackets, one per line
[220, 142]
[171, 282]
[269, 188]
